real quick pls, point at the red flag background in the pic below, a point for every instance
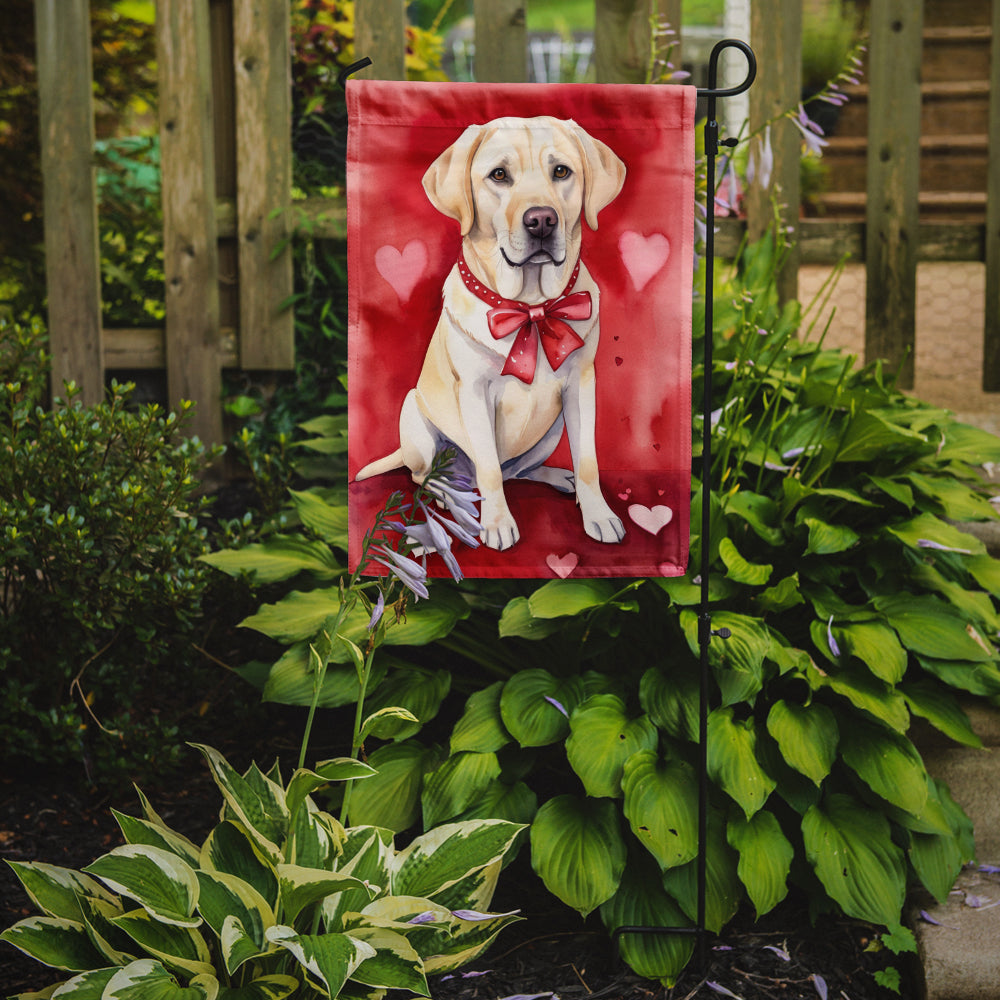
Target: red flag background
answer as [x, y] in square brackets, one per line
[401, 249]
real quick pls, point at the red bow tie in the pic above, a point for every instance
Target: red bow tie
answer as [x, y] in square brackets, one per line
[544, 322]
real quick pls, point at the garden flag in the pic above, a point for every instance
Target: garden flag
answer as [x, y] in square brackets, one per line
[520, 273]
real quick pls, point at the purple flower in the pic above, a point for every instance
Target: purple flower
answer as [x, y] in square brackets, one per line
[834, 648]
[456, 493]
[408, 571]
[456, 529]
[719, 988]
[927, 543]
[820, 983]
[811, 132]
[761, 163]
[558, 705]
[475, 915]
[430, 536]
[780, 952]
[377, 611]
[427, 917]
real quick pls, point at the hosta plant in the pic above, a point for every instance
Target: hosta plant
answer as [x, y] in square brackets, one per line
[279, 900]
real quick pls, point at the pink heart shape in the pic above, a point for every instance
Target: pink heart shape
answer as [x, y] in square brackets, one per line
[562, 566]
[643, 256]
[404, 268]
[651, 519]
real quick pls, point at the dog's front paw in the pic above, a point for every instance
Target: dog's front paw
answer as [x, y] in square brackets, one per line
[499, 529]
[607, 529]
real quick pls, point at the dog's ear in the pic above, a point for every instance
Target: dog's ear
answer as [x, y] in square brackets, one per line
[448, 181]
[603, 174]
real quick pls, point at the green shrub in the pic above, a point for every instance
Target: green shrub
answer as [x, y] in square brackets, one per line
[854, 602]
[101, 584]
[279, 900]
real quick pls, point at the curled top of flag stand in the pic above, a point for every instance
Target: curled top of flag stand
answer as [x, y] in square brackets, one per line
[712, 91]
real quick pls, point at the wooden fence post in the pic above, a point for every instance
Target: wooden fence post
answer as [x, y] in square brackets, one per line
[892, 215]
[190, 251]
[776, 34]
[622, 40]
[262, 61]
[72, 255]
[991, 332]
[501, 41]
[380, 34]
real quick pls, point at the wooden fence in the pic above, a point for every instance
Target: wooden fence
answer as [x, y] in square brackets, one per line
[226, 161]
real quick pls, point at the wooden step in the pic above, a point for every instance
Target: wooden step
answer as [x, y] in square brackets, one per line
[956, 53]
[945, 12]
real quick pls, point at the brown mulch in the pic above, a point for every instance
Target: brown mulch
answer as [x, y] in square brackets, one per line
[551, 952]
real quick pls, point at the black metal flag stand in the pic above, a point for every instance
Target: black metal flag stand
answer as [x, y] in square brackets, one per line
[705, 631]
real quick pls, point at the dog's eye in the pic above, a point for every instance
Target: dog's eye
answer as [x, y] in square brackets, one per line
[498, 174]
[561, 172]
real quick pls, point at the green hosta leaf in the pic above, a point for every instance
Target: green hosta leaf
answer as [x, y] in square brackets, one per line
[602, 738]
[783, 595]
[386, 723]
[54, 941]
[751, 574]
[870, 436]
[758, 511]
[931, 628]
[535, 706]
[738, 661]
[260, 809]
[438, 859]
[986, 572]
[517, 620]
[330, 959]
[975, 605]
[941, 709]
[275, 987]
[683, 592]
[56, 891]
[415, 689]
[578, 851]
[732, 760]
[230, 849]
[641, 901]
[807, 736]
[661, 799]
[328, 521]
[866, 692]
[723, 889]
[850, 848]
[559, 598]
[159, 881]
[965, 443]
[395, 964]
[456, 784]
[481, 728]
[765, 858]
[671, 699]
[937, 859]
[141, 831]
[928, 528]
[226, 898]
[976, 678]
[279, 558]
[888, 763]
[828, 539]
[292, 680]
[301, 887]
[957, 501]
[876, 646]
[391, 798]
[893, 488]
[147, 979]
[180, 948]
[516, 803]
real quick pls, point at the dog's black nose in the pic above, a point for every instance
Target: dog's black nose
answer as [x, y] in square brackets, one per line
[540, 221]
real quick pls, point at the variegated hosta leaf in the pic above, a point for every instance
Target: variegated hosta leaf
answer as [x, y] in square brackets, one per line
[87, 986]
[441, 857]
[230, 849]
[54, 941]
[391, 799]
[367, 853]
[807, 736]
[661, 805]
[765, 858]
[476, 890]
[177, 947]
[850, 847]
[141, 831]
[149, 980]
[535, 706]
[732, 760]
[642, 902]
[158, 880]
[329, 959]
[602, 737]
[481, 727]
[56, 891]
[723, 889]
[888, 763]
[456, 784]
[466, 941]
[225, 897]
[315, 838]
[304, 782]
[98, 915]
[274, 987]
[301, 887]
[395, 964]
[578, 851]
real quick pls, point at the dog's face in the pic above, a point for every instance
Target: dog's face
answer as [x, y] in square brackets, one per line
[520, 189]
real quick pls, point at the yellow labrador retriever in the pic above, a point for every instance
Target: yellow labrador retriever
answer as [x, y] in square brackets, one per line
[511, 361]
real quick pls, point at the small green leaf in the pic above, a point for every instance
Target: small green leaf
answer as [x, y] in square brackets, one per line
[807, 736]
[671, 699]
[765, 858]
[517, 620]
[828, 539]
[391, 798]
[739, 569]
[279, 558]
[481, 727]
[559, 598]
[732, 760]
[456, 784]
[888, 763]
